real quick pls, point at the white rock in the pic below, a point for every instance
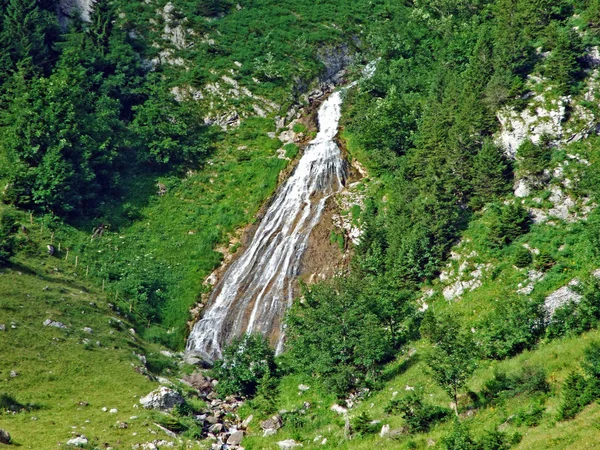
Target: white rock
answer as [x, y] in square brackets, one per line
[303, 387]
[288, 444]
[113, 411]
[79, 441]
[162, 398]
[522, 189]
[385, 430]
[339, 409]
[561, 297]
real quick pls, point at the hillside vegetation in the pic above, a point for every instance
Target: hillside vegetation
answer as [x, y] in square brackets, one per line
[144, 140]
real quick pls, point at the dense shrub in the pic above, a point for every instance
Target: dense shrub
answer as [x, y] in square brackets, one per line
[530, 380]
[515, 324]
[522, 257]
[363, 424]
[246, 362]
[418, 415]
[507, 223]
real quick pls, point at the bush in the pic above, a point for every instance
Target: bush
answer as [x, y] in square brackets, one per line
[513, 326]
[418, 415]
[522, 257]
[533, 158]
[459, 439]
[246, 363]
[576, 395]
[363, 424]
[532, 416]
[544, 261]
[530, 380]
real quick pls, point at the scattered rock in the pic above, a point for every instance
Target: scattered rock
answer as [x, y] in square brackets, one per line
[339, 409]
[235, 438]
[88, 330]
[113, 411]
[52, 323]
[303, 387]
[79, 441]
[274, 423]
[14, 374]
[2, 327]
[288, 444]
[163, 398]
[247, 421]
[385, 430]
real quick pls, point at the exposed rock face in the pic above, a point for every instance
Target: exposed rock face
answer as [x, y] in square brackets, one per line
[163, 398]
[466, 277]
[335, 60]
[68, 9]
[561, 297]
[545, 119]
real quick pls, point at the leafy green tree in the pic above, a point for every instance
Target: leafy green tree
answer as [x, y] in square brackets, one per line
[452, 358]
[167, 131]
[333, 333]
[532, 158]
[246, 363]
[515, 324]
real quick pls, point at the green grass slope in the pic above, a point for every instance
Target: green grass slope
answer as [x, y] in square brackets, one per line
[64, 377]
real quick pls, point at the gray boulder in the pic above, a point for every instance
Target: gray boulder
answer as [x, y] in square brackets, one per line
[53, 323]
[235, 438]
[163, 398]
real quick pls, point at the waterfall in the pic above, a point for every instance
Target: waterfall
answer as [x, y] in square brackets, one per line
[257, 289]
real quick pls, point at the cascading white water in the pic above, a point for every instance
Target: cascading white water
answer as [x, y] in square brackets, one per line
[257, 289]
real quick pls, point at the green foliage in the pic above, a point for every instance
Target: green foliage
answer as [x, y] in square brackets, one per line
[459, 438]
[575, 396]
[453, 356]
[291, 150]
[8, 229]
[577, 317]
[247, 362]
[515, 324]
[333, 333]
[522, 257]
[167, 132]
[418, 415]
[507, 223]
[529, 381]
[532, 158]
[491, 175]
[362, 424]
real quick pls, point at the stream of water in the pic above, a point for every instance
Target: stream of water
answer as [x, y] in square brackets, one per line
[257, 289]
